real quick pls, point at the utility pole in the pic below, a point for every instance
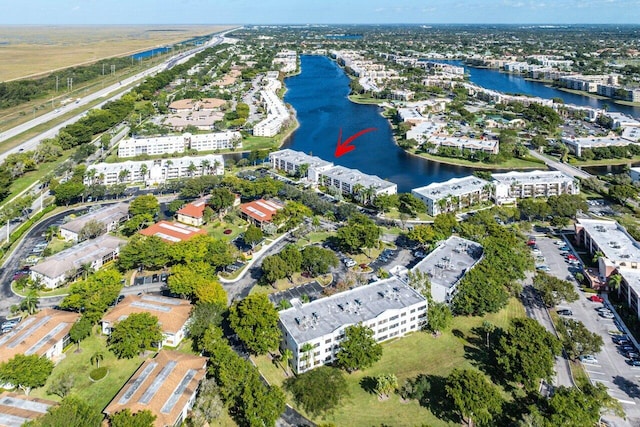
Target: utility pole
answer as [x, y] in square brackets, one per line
[113, 70]
[69, 84]
[103, 68]
[56, 84]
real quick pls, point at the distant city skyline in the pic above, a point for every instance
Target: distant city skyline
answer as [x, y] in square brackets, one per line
[108, 12]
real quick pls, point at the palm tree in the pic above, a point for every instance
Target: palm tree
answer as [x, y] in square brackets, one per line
[51, 232]
[370, 194]
[489, 189]
[442, 204]
[205, 165]
[216, 165]
[87, 269]
[455, 200]
[97, 358]
[30, 302]
[356, 190]
[287, 355]
[101, 178]
[191, 169]
[122, 176]
[597, 257]
[614, 282]
[91, 174]
[307, 352]
[143, 171]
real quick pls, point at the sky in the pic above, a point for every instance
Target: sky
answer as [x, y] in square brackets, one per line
[126, 12]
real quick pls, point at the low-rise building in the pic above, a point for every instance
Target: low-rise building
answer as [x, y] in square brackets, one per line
[490, 146]
[447, 264]
[45, 334]
[515, 185]
[172, 313]
[17, 409]
[290, 161]
[158, 171]
[349, 180]
[70, 263]
[634, 173]
[629, 289]
[172, 232]
[577, 145]
[109, 216]
[165, 385]
[260, 212]
[425, 130]
[179, 143]
[618, 249]
[453, 195]
[277, 112]
[389, 307]
[192, 213]
[205, 104]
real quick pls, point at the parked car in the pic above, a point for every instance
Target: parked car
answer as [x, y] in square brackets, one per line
[565, 312]
[558, 242]
[606, 314]
[588, 358]
[633, 362]
[632, 355]
[596, 298]
[619, 339]
[543, 268]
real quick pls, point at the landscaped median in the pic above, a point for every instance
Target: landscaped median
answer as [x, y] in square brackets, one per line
[419, 353]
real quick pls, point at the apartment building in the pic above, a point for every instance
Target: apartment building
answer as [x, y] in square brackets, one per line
[67, 265]
[45, 334]
[389, 307]
[277, 112]
[327, 174]
[514, 185]
[634, 173]
[447, 264]
[629, 289]
[425, 130]
[287, 59]
[18, 409]
[577, 145]
[192, 213]
[157, 171]
[172, 232]
[441, 67]
[489, 146]
[166, 386]
[179, 143]
[172, 313]
[109, 216]
[260, 212]
[453, 195]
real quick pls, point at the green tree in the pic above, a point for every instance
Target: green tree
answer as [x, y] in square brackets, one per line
[440, 317]
[30, 303]
[97, 357]
[62, 385]
[72, 412]
[385, 384]
[80, 330]
[208, 406]
[623, 192]
[317, 261]
[273, 269]
[292, 259]
[146, 204]
[525, 352]
[319, 390]
[423, 234]
[292, 215]
[202, 316]
[253, 235]
[125, 418]
[474, 397]
[92, 229]
[287, 356]
[553, 290]
[572, 407]
[221, 198]
[255, 320]
[359, 349]
[26, 372]
[577, 340]
[360, 232]
[94, 294]
[134, 334]
[185, 279]
[68, 192]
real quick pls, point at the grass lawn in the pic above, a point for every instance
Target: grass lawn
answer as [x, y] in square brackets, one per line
[528, 163]
[359, 99]
[604, 162]
[56, 245]
[394, 213]
[78, 365]
[251, 143]
[314, 237]
[405, 357]
[216, 229]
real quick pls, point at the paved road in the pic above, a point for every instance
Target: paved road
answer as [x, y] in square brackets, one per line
[562, 167]
[611, 369]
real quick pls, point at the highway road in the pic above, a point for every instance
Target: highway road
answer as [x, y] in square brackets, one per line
[562, 167]
[33, 142]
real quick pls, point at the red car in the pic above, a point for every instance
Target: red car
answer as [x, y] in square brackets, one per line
[596, 298]
[570, 256]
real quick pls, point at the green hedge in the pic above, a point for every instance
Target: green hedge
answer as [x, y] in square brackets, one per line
[19, 232]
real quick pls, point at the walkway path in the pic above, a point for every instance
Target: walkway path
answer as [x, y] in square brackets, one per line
[562, 167]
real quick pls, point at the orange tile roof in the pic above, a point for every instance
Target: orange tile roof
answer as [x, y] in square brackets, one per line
[261, 210]
[172, 231]
[163, 385]
[194, 210]
[16, 409]
[37, 334]
[172, 313]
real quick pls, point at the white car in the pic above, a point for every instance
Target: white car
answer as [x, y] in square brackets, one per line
[588, 358]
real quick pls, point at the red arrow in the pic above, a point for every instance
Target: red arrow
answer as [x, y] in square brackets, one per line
[344, 147]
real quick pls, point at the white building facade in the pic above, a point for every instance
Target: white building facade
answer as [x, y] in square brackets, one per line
[511, 186]
[453, 195]
[179, 143]
[277, 112]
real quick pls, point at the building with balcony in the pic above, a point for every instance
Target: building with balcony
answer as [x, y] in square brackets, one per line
[179, 143]
[577, 145]
[389, 307]
[511, 186]
[109, 216]
[453, 195]
[290, 161]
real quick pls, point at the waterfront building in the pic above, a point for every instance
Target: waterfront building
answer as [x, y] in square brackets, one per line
[453, 195]
[447, 264]
[489, 146]
[179, 143]
[619, 250]
[109, 216]
[576, 145]
[515, 185]
[622, 120]
[290, 161]
[260, 212]
[425, 130]
[587, 83]
[166, 386]
[634, 173]
[631, 133]
[389, 307]
[44, 334]
[172, 232]
[287, 59]
[17, 409]
[157, 171]
[192, 213]
[172, 313]
[411, 115]
[69, 264]
[277, 112]
[441, 67]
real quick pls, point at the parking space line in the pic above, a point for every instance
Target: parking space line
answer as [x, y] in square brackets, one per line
[596, 372]
[599, 380]
[628, 402]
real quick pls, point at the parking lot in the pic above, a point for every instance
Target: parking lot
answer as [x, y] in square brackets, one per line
[610, 367]
[313, 290]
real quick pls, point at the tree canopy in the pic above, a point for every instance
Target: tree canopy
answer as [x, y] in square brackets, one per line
[553, 290]
[318, 391]
[476, 399]
[360, 232]
[255, 320]
[134, 334]
[125, 418]
[94, 294]
[359, 349]
[26, 372]
[71, 412]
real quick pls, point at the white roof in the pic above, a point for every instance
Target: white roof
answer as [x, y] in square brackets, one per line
[537, 176]
[613, 240]
[452, 187]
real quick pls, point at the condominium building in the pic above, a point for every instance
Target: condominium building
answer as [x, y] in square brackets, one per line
[172, 313]
[44, 334]
[521, 185]
[326, 173]
[619, 251]
[277, 112]
[17, 409]
[425, 130]
[629, 289]
[447, 264]
[70, 263]
[179, 143]
[158, 171]
[172, 232]
[453, 195]
[287, 59]
[109, 216]
[634, 173]
[577, 145]
[166, 386]
[389, 307]
[192, 213]
[490, 146]
[587, 83]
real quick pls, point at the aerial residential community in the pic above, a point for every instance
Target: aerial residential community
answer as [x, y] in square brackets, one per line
[401, 219]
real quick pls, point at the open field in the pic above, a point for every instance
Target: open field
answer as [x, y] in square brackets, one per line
[53, 47]
[405, 357]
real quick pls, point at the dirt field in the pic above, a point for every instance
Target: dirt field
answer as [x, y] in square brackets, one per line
[32, 50]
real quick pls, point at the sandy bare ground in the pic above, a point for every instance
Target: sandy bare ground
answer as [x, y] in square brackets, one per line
[27, 51]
